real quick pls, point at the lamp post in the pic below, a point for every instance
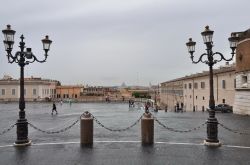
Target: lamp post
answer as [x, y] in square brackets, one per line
[210, 59]
[22, 58]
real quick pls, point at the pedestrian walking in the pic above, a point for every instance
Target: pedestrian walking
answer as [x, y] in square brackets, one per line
[166, 108]
[147, 105]
[54, 108]
[146, 108]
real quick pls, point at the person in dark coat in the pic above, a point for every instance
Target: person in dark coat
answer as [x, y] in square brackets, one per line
[54, 108]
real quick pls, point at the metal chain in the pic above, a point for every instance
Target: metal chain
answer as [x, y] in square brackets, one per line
[234, 131]
[175, 130]
[116, 130]
[54, 132]
[7, 130]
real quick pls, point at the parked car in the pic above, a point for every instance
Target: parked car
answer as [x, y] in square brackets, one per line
[224, 108]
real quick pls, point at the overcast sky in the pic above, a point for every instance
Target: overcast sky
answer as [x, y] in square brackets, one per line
[108, 42]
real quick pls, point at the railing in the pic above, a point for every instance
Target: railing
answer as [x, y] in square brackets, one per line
[154, 118]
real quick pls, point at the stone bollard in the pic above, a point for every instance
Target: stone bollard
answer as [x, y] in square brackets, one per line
[147, 129]
[86, 131]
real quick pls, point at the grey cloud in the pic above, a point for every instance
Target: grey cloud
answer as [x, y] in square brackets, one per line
[110, 42]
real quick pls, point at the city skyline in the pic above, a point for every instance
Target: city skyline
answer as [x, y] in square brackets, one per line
[108, 43]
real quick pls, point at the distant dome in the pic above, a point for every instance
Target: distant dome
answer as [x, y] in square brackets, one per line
[123, 85]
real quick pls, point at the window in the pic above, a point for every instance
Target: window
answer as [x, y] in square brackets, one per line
[75, 95]
[196, 97]
[244, 81]
[13, 92]
[234, 83]
[3, 91]
[195, 85]
[223, 101]
[202, 85]
[34, 91]
[203, 98]
[223, 83]
[190, 86]
[190, 96]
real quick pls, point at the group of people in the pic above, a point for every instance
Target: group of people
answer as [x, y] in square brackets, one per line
[107, 99]
[178, 107]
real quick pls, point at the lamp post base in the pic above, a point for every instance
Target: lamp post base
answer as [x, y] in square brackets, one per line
[22, 133]
[212, 144]
[22, 144]
[212, 130]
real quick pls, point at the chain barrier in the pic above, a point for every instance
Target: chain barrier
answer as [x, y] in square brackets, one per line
[125, 129]
[234, 131]
[179, 131]
[116, 130]
[54, 132]
[7, 130]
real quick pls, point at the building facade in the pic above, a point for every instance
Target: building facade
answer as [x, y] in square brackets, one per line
[171, 94]
[242, 93]
[196, 88]
[65, 92]
[35, 89]
[193, 91]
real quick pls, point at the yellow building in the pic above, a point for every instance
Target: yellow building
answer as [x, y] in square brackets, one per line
[65, 92]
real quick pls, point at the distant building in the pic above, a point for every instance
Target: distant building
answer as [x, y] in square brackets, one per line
[196, 88]
[65, 92]
[171, 93]
[193, 91]
[99, 91]
[35, 89]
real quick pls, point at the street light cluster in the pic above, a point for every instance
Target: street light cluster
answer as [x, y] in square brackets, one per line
[22, 58]
[9, 42]
[210, 59]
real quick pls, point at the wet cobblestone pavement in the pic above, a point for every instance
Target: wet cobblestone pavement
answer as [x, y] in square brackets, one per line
[121, 147]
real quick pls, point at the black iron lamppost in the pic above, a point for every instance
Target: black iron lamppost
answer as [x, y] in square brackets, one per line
[22, 58]
[209, 58]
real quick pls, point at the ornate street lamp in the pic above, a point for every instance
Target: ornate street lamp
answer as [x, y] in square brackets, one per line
[210, 59]
[22, 58]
